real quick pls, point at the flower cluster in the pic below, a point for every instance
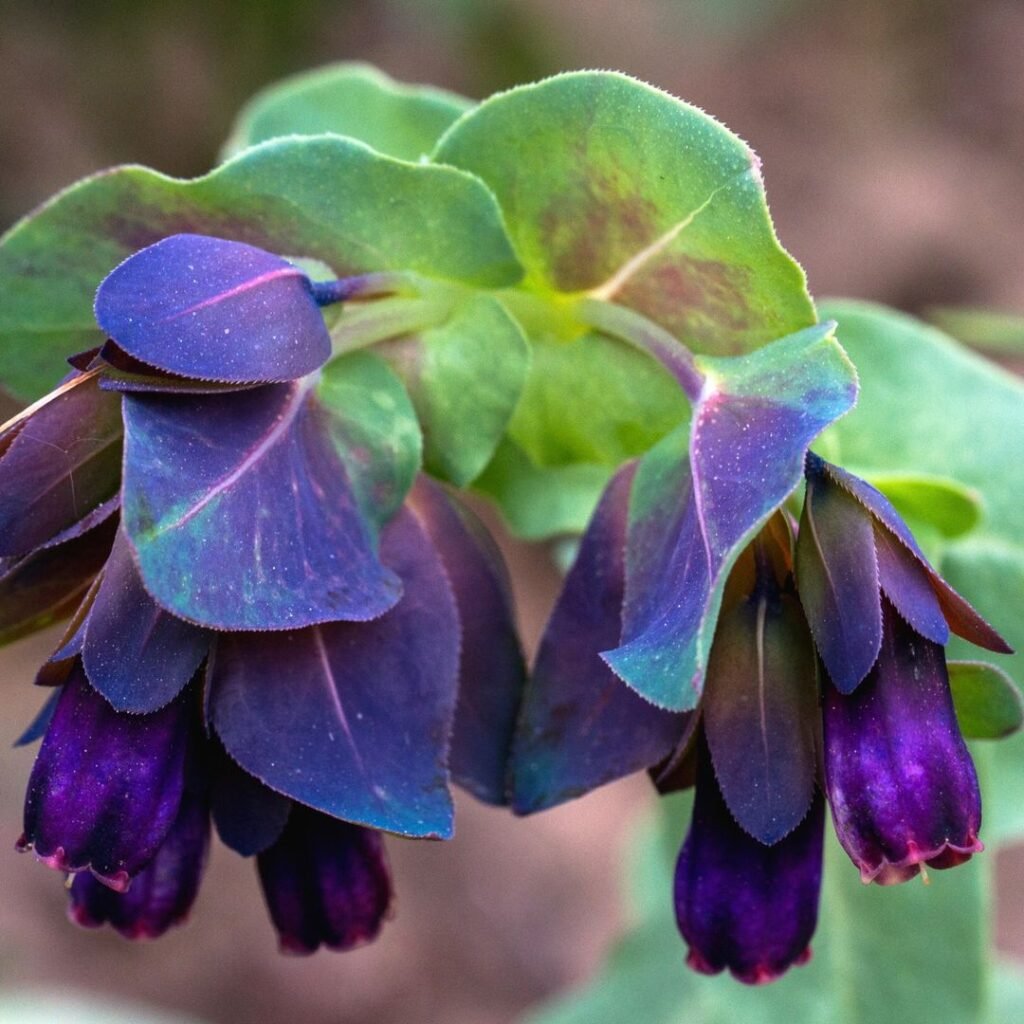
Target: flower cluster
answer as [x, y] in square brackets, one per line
[276, 623]
[826, 681]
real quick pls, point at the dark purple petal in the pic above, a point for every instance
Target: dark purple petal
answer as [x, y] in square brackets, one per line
[580, 725]
[353, 718]
[837, 573]
[47, 586]
[37, 727]
[215, 310]
[961, 617]
[904, 580]
[761, 711]
[740, 904]
[701, 494]
[63, 462]
[249, 817]
[491, 668]
[162, 893]
[135, 654]
[326, 883]
[242, 514]
[898, 774]
[105, 787]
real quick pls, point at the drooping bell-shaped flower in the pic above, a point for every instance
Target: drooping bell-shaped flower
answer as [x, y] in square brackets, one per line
[326, 883]
[106, 787]
[162, 893]
[742, 905]
[899, 777]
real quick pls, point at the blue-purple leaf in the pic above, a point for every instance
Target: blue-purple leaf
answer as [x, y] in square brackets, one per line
[135, 654]
[249, 816]
[353, 718]
[760, 711]
[36, 729]
[242, 513]
[702, 493]
[837, 571]
[215, 310]
[961, 617]
[62, 463]
[491, 667]
[580, 725]
[47, 586]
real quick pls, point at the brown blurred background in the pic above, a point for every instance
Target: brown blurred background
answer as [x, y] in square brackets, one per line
[892, 136]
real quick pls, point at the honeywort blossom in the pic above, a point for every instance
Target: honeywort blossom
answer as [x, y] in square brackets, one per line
[275, 622]
[897, 774]
[899, 777]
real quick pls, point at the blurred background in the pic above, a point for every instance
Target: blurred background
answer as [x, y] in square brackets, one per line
[892, 136]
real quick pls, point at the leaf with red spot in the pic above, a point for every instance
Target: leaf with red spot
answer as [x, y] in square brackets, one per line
[702, 494]
[326, 198]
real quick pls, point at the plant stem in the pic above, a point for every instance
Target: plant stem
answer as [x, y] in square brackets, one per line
[636, 330]
[361, 326]
[363, 286]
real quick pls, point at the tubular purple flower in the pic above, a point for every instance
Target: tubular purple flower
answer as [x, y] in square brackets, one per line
[106, 787]
[899, 777]
[326, 883]
[742, 905]
[162, 893]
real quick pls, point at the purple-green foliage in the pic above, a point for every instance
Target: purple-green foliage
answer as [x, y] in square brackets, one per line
[558, 237]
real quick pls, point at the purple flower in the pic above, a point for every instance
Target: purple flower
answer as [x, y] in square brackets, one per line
[326, 883]
[899, 777]
[106, 787]
[162, 893]
[740, 904]
[348, 625]
[898, 774]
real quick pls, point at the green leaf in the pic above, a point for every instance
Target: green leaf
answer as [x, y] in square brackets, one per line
[614, 192]
[325, 198]
[981, 328]
[350, 99]
[992, 574]
[465, 377]
[988, 704]
[613, 188]
[375, 424]
[1008, 993]
[537, 502]
[593, 400]
[895, 955]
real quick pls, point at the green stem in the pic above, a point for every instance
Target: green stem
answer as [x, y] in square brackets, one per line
[636, 330]
[362, 325]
